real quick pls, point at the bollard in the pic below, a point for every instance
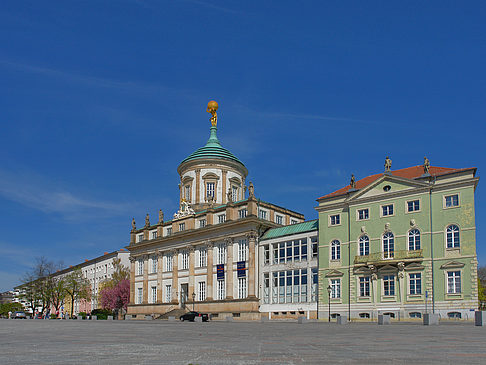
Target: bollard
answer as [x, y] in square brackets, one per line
[171, 319]
[301, 320]
[383, 319]
[431, 319]
[109, 318]
[229, 319]
[128, 317]
[342, 320]
[480, 318]
[94, 318]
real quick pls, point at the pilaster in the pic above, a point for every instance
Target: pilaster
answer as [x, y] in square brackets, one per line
[252, 236]
[132, 280]
[198, 185]
[224, 173]
[191, 271]
[160, 262]
[175, 277]
[209, 279]
[145, 279]
[229, 268]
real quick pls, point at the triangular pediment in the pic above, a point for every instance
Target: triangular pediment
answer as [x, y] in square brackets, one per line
[452, 265]
[395, 183]
[362, 270]
[387, 268]
[334, 273]
[414, 266]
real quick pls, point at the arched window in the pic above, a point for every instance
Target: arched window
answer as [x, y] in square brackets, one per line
[414, 240]
[452, 236]
[364, 246]
[335, 250]
[388, 245]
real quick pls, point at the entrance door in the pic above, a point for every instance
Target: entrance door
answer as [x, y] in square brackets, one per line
[184, 293]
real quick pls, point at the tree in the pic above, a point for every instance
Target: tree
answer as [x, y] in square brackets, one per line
[115, 293]
[482, 287]
[10, 307]
[58, 292]
[76, 287]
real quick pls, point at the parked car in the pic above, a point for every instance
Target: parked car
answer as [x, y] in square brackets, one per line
[19, 315]
[189, 316]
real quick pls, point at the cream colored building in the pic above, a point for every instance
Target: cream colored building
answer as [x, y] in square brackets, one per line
[206, 256]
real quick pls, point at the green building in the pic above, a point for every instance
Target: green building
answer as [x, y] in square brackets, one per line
[379, 255]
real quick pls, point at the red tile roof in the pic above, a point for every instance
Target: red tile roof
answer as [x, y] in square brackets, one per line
[407, 173]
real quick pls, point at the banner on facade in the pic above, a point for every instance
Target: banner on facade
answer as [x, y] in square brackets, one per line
[220, 271]
[241, 269]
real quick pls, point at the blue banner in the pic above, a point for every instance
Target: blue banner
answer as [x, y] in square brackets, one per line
[241, 269]
[220, 271]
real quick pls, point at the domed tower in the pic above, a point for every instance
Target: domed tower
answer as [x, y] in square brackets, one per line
[211, 175]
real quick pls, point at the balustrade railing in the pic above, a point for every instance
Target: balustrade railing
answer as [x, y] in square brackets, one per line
[390, 255]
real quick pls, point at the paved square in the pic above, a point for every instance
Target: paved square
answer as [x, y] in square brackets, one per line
[161, 342]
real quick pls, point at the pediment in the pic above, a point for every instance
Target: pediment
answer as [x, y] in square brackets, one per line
[333, 273]
[362, 270]
[235, 180]
[187, 179]
[387, 268]
[210, 175]
[452, 265]
[414, 266]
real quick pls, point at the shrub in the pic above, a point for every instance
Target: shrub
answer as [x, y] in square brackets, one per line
[101, 313]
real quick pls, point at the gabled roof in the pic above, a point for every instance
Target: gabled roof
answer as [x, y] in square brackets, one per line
[413, 172]
[291, 229]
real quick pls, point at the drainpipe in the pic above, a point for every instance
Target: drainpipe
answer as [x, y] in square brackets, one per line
[432, 244]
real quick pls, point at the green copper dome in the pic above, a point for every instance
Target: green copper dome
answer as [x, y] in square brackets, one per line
[212, 150]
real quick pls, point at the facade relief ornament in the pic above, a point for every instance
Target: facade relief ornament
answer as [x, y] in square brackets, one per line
[209, 244]
[132, 259]
[251, 236]
[413, 223]
[184, 210]
[387, 227]
[388, 164]
[363, 229]
[229, 196]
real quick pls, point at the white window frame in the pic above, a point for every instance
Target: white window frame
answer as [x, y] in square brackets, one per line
[412, 239]
[242, 213]
[456, 278]
[413, 201]
[202, 223]
[168, 231]
[140, 265]
[445, 206]
[222, 218]
[333, 218]
[153, 294]
[169, 262]
[415, 289]
[210, 189]
[221, 254]
[389, 285]
[242, 249]
[154, 264]
[279, 219]
[335, 250]
[203, 257]
[201, 291]
[221, 289]
[364, 283]
[140, 238]
[182, 226]
[456, 238]
[153, 234]
[184, 260]
[392, 205]
[390, 242]
[362, 210]
[168, 293]
[139, 295]
[242, 288]
[335, 288]
[263, 214]
[234, 193]
[363, 249]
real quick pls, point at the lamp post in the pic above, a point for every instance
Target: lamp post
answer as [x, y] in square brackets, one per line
[193, 300]
[329, 289]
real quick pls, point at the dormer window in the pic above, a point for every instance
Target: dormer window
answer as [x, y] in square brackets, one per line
[140, 238]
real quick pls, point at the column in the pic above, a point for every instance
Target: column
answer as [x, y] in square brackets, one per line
[191, 271]
[198, 185]
[160, 288]
[175, 277]
[145, 279]
[229, 268]
[209, 277]
[251, 264]
[401, 287]
[224, 173]
[132, 280]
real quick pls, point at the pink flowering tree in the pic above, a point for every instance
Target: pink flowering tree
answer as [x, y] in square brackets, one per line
[117, 296]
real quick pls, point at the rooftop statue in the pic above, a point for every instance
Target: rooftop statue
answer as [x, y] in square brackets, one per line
[426, 165]
[161, 216]
[353, 182]
[134, 227]
[212, 107]
[184, 210]
[388, 164]
[147, 220]
[251, 190]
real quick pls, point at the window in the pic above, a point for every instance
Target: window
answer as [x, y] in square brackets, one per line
[415, 284]
[452, 236]
[140, 237]
[139, 295]
[452, 201]
[154, 235]
[364, 315]
[187, 192]
[169, 231]
[234, 193]
[203, 257]
[153, 297]
[295, 250]
[294, 221]
[415, 315]
[335, 288]
[389, 285]
[168, 293]
[140, 267]
[453, 282]
[335, 250]
[221, 254]
[266, 288]
[202, 223]
[242, 213]
[388, 245]
[454, 315]
[414, 240]
[334, 220]
[182, 227]
[315, 246]
[168, 262]
[364, 246]
[364, 286]
[386, 210]
[185, 260]
[290, 286]
[154, 264]
[278, 219]
[262, 214]
[242, 288]
[266, 254]
[221, 290]
[242, 249]
[363, 214]
[210, 189]
[413, 205]
[221, 218]
[202, 291]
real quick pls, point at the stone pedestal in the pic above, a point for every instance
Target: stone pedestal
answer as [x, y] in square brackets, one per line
[383, 319]
[480, 318]
[431, 319]
[342, 320]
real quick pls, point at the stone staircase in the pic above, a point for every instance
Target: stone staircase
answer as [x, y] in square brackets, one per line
[177, 312]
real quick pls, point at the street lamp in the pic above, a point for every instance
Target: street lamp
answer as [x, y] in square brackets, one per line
[329, 289]
[193, 300]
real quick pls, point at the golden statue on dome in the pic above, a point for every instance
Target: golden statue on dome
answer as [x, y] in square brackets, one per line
[212, 107]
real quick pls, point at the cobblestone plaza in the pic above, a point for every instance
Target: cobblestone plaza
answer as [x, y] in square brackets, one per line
[162, 342]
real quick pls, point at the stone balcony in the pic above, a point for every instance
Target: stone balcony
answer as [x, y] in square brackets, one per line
[382, 257]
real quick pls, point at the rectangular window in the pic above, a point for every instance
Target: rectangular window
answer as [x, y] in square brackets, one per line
[242, 288]
[387, 210]
[315, 246]
[139, 296]
[303, 285]
[168, 293]
[335, 288]
[266, 288]
[364, 286]
[242, 213]
[154, 294]
[154, 264]
[413, 205]
[202, 223]
[221, 254]
[234, 193]
[182, 227]
[140, 267]
[452, 201]
[415, 284]
[221, 218]
[278, 219]
[294, 221]
[185, 260]
[140, 237]
[202, 291]
[334, 220]
[187, 193]
[168, 262]
[303, 249]
[203, 257]
[242, 249]
[314, 284]
[363, 214]
[154, 235]
[169, 231]
[262, 214]
[389, 285]
[266, 254]
[210, 189]
[453, 282]
[221, 290]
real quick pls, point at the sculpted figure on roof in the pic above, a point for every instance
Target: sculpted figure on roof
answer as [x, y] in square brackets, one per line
[388, 164]
[426, 165]
[134, 227]
[353, 182]
[212, 107]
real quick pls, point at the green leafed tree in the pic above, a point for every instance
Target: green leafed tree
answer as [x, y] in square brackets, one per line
[76, 287]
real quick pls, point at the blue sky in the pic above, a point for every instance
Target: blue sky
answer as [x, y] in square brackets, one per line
[101, 100]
